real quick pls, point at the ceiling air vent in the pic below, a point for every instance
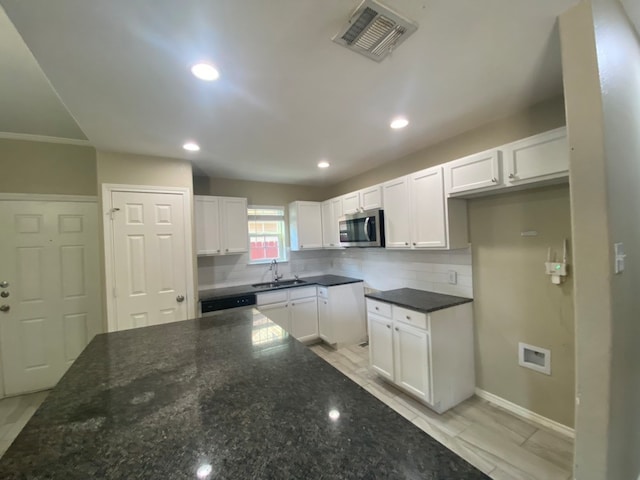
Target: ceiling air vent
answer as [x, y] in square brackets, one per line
[374, 30]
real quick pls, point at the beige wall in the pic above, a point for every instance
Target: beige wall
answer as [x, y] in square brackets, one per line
[53, 168]
[591, 240]
[143, 170]
[258, 193]
[543, 116]
[515, 300]
[601, 62]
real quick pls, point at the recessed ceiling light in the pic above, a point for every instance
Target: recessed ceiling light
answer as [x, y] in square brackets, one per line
[399, 122]
[323, 164]
[191, 147]
[205, 71]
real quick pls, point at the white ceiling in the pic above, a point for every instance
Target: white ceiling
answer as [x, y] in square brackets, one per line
[288, 96]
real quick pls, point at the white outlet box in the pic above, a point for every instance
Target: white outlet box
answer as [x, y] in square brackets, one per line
[453, 277]
[535, 358]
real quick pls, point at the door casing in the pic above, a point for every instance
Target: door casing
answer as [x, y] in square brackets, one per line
[107, 189]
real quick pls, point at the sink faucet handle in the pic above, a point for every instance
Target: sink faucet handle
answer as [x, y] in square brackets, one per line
[296, 277]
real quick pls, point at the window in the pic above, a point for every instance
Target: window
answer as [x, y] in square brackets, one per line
[266, 234]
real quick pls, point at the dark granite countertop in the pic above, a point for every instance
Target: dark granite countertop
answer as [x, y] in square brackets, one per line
[322, 280]
[419, 300]
[226, 397]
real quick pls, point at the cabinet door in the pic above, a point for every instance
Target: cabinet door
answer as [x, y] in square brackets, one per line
[278, 313]
[371, 198]
[411, 354]
[306, 226]
[428, 209]
[481, 170]
[328, 225]
[207, 223]
[325, 325]
[235, 225]
[338, 213]
[304, 319]
[351, 202]
[537, 158]
[381, 345]
[396, 213]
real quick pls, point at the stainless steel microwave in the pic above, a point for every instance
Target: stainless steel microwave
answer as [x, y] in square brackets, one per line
[364, 229]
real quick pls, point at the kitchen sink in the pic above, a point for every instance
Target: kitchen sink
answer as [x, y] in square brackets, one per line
[279, 284]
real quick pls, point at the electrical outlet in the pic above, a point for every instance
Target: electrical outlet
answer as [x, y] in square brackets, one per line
[453, 277]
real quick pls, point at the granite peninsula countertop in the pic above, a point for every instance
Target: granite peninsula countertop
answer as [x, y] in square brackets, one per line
[420, 300]
[226, 397]
[322, 280]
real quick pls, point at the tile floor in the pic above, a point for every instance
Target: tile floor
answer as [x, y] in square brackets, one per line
[497, 442]
[500, 444]
[15, 412]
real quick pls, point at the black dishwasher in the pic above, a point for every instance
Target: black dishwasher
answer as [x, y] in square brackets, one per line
[225, 303]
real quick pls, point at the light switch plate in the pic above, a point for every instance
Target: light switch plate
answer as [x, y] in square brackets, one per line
[453, 277]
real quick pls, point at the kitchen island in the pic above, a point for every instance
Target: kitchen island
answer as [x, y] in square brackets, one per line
[225, 397]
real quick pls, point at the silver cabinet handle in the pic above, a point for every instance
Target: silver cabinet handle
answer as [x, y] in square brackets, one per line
[494, 180]
[4, 294]
[388, 326]
[4, 284]
[180, 298]
[512, 175]
[397, 329]
[408, 317]
[406, 243]
[218, 250]
[377, 308]
[4, 308]
[414, 244]
[226, 249]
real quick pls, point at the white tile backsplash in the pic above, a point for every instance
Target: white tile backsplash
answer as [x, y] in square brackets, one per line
[380, 269]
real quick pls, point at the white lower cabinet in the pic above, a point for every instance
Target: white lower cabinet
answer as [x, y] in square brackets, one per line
[341, 315]
[304, 318]
[380, 335]
[429, 355]
[293, 309]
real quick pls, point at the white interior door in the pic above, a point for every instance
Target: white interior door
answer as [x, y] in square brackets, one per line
[149, 259]
[51, 303]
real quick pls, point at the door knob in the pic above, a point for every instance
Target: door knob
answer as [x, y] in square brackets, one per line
[4, 284]
[4, 308]
[4, 294]
[180, 298]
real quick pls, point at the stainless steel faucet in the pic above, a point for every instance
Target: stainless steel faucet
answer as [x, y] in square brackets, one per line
[274, 270]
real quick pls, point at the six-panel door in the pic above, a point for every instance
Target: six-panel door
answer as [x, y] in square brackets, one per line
[51, 298]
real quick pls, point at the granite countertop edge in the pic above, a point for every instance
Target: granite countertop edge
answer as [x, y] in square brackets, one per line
[418, 300]
[233, 291]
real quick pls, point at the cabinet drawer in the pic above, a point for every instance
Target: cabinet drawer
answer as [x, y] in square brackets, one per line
[271, 297]
[380, 308]
[411, 317]
[323, 292]
[302, 292]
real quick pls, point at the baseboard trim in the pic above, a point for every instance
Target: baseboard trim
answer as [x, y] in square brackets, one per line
[527, 414]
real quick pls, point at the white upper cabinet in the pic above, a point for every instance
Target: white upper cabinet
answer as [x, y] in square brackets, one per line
[397, 214]
[235, 225]
[331, 213]
[428, 209]
[305, 225]
[537, 158]
[366, 199]
[417, 214]
[221, 225]
[478, 171]
[542, 158]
